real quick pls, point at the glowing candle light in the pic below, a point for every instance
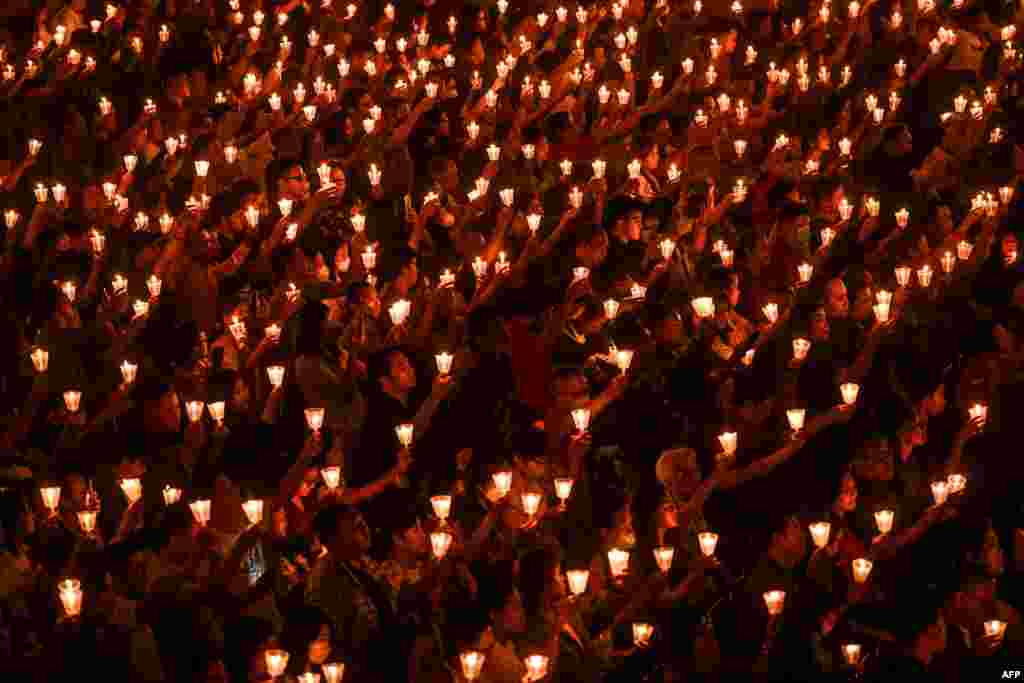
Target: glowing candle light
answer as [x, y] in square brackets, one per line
[277, 662]
[132, 488]
[563, 489]
[820, 532]
[442, 506]
[51, 498]
[796, 416]
[851, 653]
[642, 633]
[775, 601]
[201, 511]
[275, 373]
[618, 562]
[472, 663]
[70, 592]
[404, 434]
[704, 307]
[440, 543]
[72, 400]
[581, 419]
[314, 419]
[861, 569]
[663, 556]
[708, 541]
[940, 491]
[611, 308]
[884, 520]
[331, 476]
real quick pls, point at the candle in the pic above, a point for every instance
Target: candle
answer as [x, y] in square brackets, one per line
[444, 362]
[502, 483]
[563, 489]
[399, 311]
[70, 592]
[634, 167]
[581, 419]
[994, 628]
[704, 307]
[708, 542]
[924, 275]
[642, 633]
[536, 667]
[331, 476]
[129, 371]
[978, 411]
[663, 556]
[775, 600]
[335, 671]
[728, 441]
[276, 661]
[132, 488]
[618, 562]
[611, 308]
[740, 147]
[253, 510]
[72, 400]
[472, 664]
[404, 434]
[200, 511]
[275, 373]
[850, 391]
[40, 359]
[801, 346]
[374, 175]
[531, 503]
[796, 416]
[851, 653]
[819, 533]
[51, 498]
[827, 235]
[479, 268]
[861, 569]
[940, 491]
[216, 410]
[440, 543]
[442, 506]
[623, 359]
[315, 419]
[87, 520]
[804, 272]
[171, 495]
[11, 218]
[884, 520]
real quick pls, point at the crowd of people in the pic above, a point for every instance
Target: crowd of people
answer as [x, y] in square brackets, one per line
[632, 340]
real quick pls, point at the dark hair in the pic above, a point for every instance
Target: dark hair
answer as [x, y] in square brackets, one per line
[301, 628]
[276, 170]
[325, 523]
[536, 568]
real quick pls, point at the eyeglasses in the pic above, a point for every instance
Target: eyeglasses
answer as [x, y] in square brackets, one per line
[296, 178]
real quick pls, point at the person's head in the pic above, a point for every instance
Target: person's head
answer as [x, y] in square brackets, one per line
[628, 223]
[789, 543]
[362, 296]
[343, 531]
[898, 141]
[393, 372]
[307, 635]
[539, 581]
[877, 462]
[819, 327]
[935, 402]
[407, 269]
[245, 643]
[591, 246]
[502, 599]
[288, 180]
[666, 326]
[837, 300]
[570, 387]
[445, 172]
